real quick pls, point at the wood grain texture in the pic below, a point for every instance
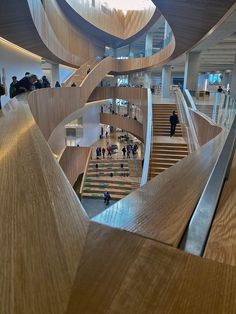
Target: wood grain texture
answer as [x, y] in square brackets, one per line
[205, 128]
[152, 212]
[51, 106]
[189, 23]
[114, 23]
[221, 244]
[43, 226]
[73, 162]
[127, 124]
[123, 273]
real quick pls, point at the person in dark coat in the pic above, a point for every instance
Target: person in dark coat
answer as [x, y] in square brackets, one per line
[45, 82]
[174, 120]
[12, 86]
[26, 84]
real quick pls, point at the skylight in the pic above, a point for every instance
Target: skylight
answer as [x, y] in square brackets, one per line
[128, 5]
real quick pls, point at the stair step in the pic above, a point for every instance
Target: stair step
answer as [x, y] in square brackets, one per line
[107, 185]
[100, 196]
[111, 191]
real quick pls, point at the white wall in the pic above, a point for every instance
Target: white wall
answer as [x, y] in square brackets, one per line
[91, 127]
[65, 72]
[15, 62]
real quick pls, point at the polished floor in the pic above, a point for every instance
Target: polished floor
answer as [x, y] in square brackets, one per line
[94, 207]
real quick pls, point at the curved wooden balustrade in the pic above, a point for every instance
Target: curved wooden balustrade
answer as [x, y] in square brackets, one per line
[78, 77]
[221, 244]
[127, 124]
[43, 226]
[63, 264]
[73, 162]
[201, 125]
[152, 212]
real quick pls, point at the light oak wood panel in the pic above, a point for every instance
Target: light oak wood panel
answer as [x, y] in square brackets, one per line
[39, 36]
[129, 125]
[80, 74]
[123, 273]
[185, 24]
[157, 59]
[152, 212]
[43, 226]
[59, 35]
[15, 19]
[114, 23]
[73, 162]
[53, 105]
[221, 244]
[205, 128]
[135, 95]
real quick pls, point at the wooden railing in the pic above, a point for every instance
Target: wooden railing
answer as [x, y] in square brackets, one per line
[89, 156]
[125, 123]
[73, 162]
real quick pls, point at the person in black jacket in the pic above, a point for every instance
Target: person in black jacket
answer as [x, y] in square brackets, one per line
[26, 84]
[174, 120]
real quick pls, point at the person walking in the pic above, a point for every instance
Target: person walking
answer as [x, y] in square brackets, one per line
[107, 197]
[103, 152]
[124, 151]
[109, 151]
[174, 120]
[97, 152]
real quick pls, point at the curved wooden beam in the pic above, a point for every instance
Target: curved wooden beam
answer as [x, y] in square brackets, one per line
[41, 242]
[73, 162]
[114, 29]
[54, 253]
[129, 125]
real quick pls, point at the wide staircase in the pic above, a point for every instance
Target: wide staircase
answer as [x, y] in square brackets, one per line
[107, 175]
[165, 155]
[165, 150]
[161, 120]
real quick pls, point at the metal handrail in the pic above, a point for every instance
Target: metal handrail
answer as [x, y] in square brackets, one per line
[196, 235]
[187, 119]
[148, 139]
[189, 99]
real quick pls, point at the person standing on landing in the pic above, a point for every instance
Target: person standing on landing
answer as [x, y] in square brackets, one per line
[174, 120]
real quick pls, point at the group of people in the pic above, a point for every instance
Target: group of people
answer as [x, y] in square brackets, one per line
[28, 83]
[129, 149]
[102, 152]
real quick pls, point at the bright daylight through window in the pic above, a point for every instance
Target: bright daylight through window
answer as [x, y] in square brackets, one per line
[134, 5]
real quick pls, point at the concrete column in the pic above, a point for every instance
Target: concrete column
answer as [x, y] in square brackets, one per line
[147, 79]
[55, 74]
[51, 70]
[192, 67]
[131, 54]
[148, 45]
[226, 78]
[166, 81]
[202, 81]
[167, 31]
[233, 81]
